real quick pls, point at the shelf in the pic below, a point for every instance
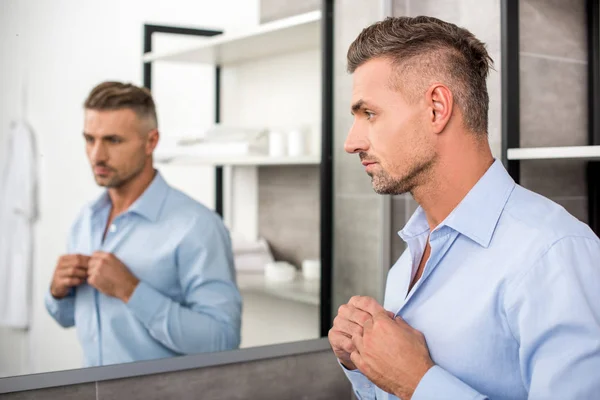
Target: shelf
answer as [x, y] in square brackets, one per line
[300, 290]
[550, 153]
[301, 32]
[234, 160]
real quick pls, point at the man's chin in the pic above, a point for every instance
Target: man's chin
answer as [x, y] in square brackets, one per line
[103, 181]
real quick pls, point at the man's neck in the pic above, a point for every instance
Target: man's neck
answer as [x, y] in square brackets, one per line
[454, 176]
[124, 196]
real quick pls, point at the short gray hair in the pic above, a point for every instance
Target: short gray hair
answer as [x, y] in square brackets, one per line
[432, 49]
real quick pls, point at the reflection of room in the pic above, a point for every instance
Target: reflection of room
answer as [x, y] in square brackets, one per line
[270, 197]
[265, 145]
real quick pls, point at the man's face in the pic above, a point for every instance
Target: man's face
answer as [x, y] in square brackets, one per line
[390, 134]
[118, 145]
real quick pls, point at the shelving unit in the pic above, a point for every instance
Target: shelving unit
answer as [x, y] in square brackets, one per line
[554, 153]
[300, 289]
[512, 153]
[251, 160]
[239, 174]
[288, 35]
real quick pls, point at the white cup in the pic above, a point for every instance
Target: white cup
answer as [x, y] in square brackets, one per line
[280, 271]
[311, 269]
[296, 143]
[276, 144]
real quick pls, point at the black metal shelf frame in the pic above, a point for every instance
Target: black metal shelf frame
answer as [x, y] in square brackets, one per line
[593, 167]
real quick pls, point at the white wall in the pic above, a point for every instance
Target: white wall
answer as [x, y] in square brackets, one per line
[64, 48]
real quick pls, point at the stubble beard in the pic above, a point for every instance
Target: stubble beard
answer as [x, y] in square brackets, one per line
[385, 184]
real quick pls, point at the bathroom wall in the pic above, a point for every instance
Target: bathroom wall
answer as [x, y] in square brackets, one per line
[358, 211]
[289, 216]
[553, 80]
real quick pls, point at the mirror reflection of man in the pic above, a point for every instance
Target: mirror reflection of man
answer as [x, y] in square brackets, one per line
[149, 271]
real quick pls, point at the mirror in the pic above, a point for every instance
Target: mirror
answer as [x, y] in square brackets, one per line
[238, 121]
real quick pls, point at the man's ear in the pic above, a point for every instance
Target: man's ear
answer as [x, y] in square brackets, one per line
[152, 142]
[441, 104]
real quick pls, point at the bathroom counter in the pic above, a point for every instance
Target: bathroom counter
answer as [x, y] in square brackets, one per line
[300, 289]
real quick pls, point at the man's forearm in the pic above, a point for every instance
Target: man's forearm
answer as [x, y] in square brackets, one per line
[212, 329]
[62, 310]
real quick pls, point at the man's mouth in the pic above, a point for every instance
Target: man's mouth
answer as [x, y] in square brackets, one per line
[101, 170]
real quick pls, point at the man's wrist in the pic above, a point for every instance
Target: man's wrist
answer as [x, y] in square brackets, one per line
[407, 391]
[349, 365]
[57, 296]
[128, 289]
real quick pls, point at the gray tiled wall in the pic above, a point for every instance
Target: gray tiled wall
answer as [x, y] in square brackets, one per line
[271, 10]
[358, 224]
[288, 211]
[307, 376]
[553, 63]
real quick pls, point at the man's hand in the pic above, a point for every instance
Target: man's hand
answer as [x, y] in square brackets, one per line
[70, 271]
[392, 354]
[347, 324]
[110, 276]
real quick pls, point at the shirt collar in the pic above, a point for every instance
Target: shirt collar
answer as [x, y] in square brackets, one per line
[148, 205]
[477, 215]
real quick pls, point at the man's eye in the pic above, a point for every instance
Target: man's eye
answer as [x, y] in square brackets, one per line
[115, 140]
[369, 114]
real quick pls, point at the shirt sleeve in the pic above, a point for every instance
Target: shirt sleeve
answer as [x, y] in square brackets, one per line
[363, 388]
[554, 313]
[209, 317]
[62, 310]
[438, 383]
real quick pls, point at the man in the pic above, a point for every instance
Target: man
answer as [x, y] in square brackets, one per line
[149, 271]
[498, 293]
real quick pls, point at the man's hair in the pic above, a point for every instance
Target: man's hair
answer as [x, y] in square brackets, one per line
[108, 96]
[424, 50]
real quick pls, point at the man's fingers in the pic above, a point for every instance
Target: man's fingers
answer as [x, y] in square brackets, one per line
[70, 281]
[72, 272]
[73, 260]
[343, 342]
[356, 359]
[100, 255]
[347, 327]
[83, 260]
[366, 304]
[357, 341]
[78, 272]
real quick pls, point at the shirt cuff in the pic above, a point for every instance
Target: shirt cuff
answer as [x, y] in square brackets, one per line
[437, 383]
[356, 378]
[54, 305]
[145, 302]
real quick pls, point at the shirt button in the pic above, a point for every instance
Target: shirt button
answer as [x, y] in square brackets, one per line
[112, 228]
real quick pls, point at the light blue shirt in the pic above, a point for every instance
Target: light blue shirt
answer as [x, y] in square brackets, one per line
[509, 300]
[187, 300]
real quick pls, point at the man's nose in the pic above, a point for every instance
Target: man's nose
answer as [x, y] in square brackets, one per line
[356, 141]
[98, 153]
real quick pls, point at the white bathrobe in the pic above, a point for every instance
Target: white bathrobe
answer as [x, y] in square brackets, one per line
[18, 212]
